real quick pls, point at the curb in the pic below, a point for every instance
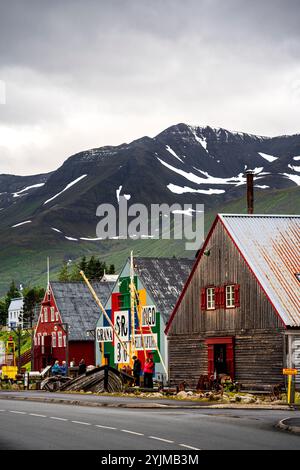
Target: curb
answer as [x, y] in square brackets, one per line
[144, 405]
[285, 427]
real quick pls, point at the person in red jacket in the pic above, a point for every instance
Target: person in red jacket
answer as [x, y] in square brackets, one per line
[148, 372]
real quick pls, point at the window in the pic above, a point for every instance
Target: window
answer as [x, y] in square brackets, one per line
[56, 316]
[45, 314]
[52, 313]
[39, 339]
[65, 341]
[230, 296]
[59, 339]
[53, 339]
[210, 298]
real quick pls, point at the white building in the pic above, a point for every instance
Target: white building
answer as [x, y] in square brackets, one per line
[15, 313]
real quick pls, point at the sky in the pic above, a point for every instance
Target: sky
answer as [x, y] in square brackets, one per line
[82, 74]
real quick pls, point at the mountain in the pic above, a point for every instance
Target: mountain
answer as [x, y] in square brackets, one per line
[56, 213]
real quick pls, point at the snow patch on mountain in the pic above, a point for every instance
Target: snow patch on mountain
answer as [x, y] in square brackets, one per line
[296, 158]
[186, 189]
[22, 223]
[198, 139]
[56, 230]
[118, 192]
[65, 189]
[17, 194]
[295, 168]
[171, 151]
[72, 239]
[294, 178]
[269, 158]
[91, 239]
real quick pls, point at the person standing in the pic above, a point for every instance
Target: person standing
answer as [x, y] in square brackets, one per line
[148, 372]
[137, 367]
[82, 367]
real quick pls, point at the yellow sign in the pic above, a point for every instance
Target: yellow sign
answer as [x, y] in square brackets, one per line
[289, 371]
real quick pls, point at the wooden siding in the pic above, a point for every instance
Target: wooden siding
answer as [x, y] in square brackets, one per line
[255, 326]
[225, 265]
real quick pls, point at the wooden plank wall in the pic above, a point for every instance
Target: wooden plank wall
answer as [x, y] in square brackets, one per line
[259, 357]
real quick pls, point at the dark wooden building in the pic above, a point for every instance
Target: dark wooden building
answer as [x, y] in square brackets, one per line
[239, 312]
[68, 306]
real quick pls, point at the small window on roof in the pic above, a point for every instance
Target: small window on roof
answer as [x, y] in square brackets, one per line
[297, 276]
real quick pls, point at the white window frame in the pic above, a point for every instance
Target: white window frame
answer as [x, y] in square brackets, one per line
[230, 296]
[56, 316]
[39, 335]
[54, 339]
[210, 298]
[59, 339]
[46, 314]
[64, 341]
[52, 313]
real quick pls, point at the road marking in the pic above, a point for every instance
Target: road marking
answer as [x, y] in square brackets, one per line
[189, 447]
[37, 415]
[19, 412]
[59, 419]
[132, 432]
[105, 427]
[161, 439]
[81, 422]
[2, 410]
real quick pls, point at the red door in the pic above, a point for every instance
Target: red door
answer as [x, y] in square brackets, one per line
[212, 344]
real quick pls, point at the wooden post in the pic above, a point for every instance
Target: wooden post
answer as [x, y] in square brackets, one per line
[102, 308]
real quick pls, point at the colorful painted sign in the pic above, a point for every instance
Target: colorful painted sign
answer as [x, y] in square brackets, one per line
[121, 326]
[104, 334]
[149, 342]
[149, 315]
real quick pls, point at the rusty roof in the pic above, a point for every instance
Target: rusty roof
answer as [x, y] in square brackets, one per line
[270, 244]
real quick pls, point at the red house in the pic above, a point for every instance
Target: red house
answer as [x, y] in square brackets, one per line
[68, 312]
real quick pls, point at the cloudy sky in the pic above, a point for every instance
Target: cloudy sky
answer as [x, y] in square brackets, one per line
[79, 74]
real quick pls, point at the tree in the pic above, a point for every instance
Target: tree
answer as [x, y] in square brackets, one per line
[3, 313]
[32, 297]
[75, 273]
[112, 269]
[63, 275]
[82, 264]
[12, 293]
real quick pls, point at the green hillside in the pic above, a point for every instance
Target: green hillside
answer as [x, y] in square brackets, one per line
[25, 262]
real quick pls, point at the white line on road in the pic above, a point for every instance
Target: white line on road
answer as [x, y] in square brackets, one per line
[161, 439]
[81, 422]
[37, 415]
[105, 427]
[132, 432]
[59, 419]
[189, 447]
[18, 412]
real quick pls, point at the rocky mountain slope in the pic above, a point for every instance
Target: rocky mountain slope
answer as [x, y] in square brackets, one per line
[183, 164]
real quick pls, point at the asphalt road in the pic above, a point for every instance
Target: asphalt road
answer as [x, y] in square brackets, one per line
[29, 425]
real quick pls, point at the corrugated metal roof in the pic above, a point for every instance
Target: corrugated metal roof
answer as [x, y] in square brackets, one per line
[77, 306]
[270, 245]
[16, 304]
[164, 279]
